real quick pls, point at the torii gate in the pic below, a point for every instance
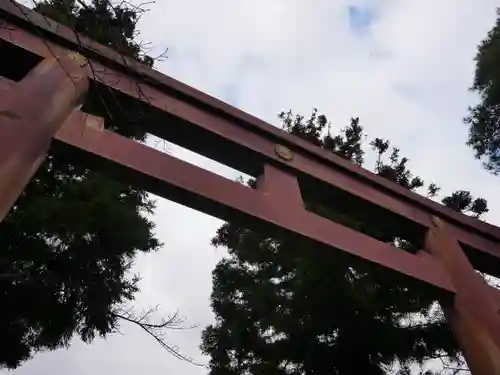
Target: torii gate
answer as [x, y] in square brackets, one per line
[41, 108]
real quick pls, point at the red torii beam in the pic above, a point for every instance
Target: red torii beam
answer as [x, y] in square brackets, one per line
[250, 145]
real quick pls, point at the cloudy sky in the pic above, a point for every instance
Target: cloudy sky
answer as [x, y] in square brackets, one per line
[402, 66]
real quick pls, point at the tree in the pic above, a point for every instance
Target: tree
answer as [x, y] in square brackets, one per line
[286, 306]
[484, 118]
[68, 245]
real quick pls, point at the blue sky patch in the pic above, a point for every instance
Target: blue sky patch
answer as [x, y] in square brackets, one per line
[360, 18]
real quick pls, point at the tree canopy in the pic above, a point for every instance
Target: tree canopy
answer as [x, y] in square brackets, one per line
[484, 118]
[286, 306]
[68, 244]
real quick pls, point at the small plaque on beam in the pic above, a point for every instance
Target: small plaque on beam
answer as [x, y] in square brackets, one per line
[284, 152]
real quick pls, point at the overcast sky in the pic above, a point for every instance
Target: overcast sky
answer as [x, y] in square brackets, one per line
[403, 67]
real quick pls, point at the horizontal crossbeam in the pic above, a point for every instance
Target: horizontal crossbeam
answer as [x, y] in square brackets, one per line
[194, 187]
[240, 140]
[107, 60]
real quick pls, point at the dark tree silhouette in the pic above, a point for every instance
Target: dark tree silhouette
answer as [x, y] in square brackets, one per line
[68, 244]
[483, 119]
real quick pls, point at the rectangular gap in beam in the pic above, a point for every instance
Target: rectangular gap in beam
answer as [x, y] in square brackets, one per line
[132, 118]
[482, 262]
[137, 115]
[346, 209]
[196, 159]
[15, 61]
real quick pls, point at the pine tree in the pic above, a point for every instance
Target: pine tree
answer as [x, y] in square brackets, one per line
[68, 245]
[483, 119]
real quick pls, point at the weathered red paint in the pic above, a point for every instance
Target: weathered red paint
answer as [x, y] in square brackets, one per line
[30, 114]
[197, 122]
[280, 188]
[472, 312]
[123, 73]
[194, 187]
[480, 352]
[122, 67]
[197, 188]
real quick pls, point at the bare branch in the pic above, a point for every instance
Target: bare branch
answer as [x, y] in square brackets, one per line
[157, 329]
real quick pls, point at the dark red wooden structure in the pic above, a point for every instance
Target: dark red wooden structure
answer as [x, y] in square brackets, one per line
[43, 80]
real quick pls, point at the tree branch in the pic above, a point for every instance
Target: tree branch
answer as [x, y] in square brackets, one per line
[157, 330]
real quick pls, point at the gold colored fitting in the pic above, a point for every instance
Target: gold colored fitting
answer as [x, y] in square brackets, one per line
[284, 152]
[79, 58]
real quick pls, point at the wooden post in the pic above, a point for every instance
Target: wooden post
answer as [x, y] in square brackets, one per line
[471, 313]
[282, 188]
[31, 112]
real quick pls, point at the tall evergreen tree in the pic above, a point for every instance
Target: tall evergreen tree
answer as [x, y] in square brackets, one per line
[484, 118]
[67, 246]
[286, 306]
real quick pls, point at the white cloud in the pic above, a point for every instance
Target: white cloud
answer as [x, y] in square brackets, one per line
[406, 77]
